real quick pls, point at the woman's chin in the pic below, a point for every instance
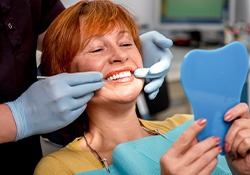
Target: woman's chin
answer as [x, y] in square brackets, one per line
[124, 96]
[119, 92]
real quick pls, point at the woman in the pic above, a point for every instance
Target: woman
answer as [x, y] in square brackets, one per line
[108, 42]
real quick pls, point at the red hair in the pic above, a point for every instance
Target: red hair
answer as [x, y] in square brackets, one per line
[74, 27]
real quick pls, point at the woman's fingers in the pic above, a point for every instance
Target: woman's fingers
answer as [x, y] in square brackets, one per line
[239, 130]
[172, 161]
[210, 166]
[239, 111]
[239, 114]
[241, 143]
[244, 147]
[203, 147]
[187, 156]
[183, 143]
[201, 157]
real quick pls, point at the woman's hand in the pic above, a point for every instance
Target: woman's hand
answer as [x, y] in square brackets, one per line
[237, 140]
[188, 156]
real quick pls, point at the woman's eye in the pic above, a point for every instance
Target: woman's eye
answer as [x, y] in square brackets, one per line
[126, 44]
[96, 50]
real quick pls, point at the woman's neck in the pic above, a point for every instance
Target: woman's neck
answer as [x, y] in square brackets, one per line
[114, 121]
[108, 128]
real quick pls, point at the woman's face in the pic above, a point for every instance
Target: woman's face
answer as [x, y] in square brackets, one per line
[116, 56]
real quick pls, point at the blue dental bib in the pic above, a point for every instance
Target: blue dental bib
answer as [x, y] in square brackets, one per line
[142, 157]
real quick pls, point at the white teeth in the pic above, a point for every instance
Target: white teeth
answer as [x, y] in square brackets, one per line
[120, 75]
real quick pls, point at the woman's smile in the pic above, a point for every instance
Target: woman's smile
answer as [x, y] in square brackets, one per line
[120, 75]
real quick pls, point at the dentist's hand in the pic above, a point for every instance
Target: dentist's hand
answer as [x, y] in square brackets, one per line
[54, 102]
[156, 61]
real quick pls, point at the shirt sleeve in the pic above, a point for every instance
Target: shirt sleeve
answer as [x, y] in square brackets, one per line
[44, 12]
[45, 167]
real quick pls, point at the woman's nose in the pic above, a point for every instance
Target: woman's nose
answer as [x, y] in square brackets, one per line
[118, 55]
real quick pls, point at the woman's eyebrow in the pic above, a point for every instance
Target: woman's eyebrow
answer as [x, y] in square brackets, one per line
[122, 32]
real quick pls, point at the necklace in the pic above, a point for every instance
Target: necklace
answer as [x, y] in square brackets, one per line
[101, 159]
[154, 132]
[104, 161]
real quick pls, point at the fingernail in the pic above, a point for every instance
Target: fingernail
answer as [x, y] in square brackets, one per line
[228, 117]
[217, 139]
[220, 149]
[226, 147]
[202, 121]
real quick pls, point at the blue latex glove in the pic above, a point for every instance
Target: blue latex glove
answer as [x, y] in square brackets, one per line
[156, 61]
[54, 102]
